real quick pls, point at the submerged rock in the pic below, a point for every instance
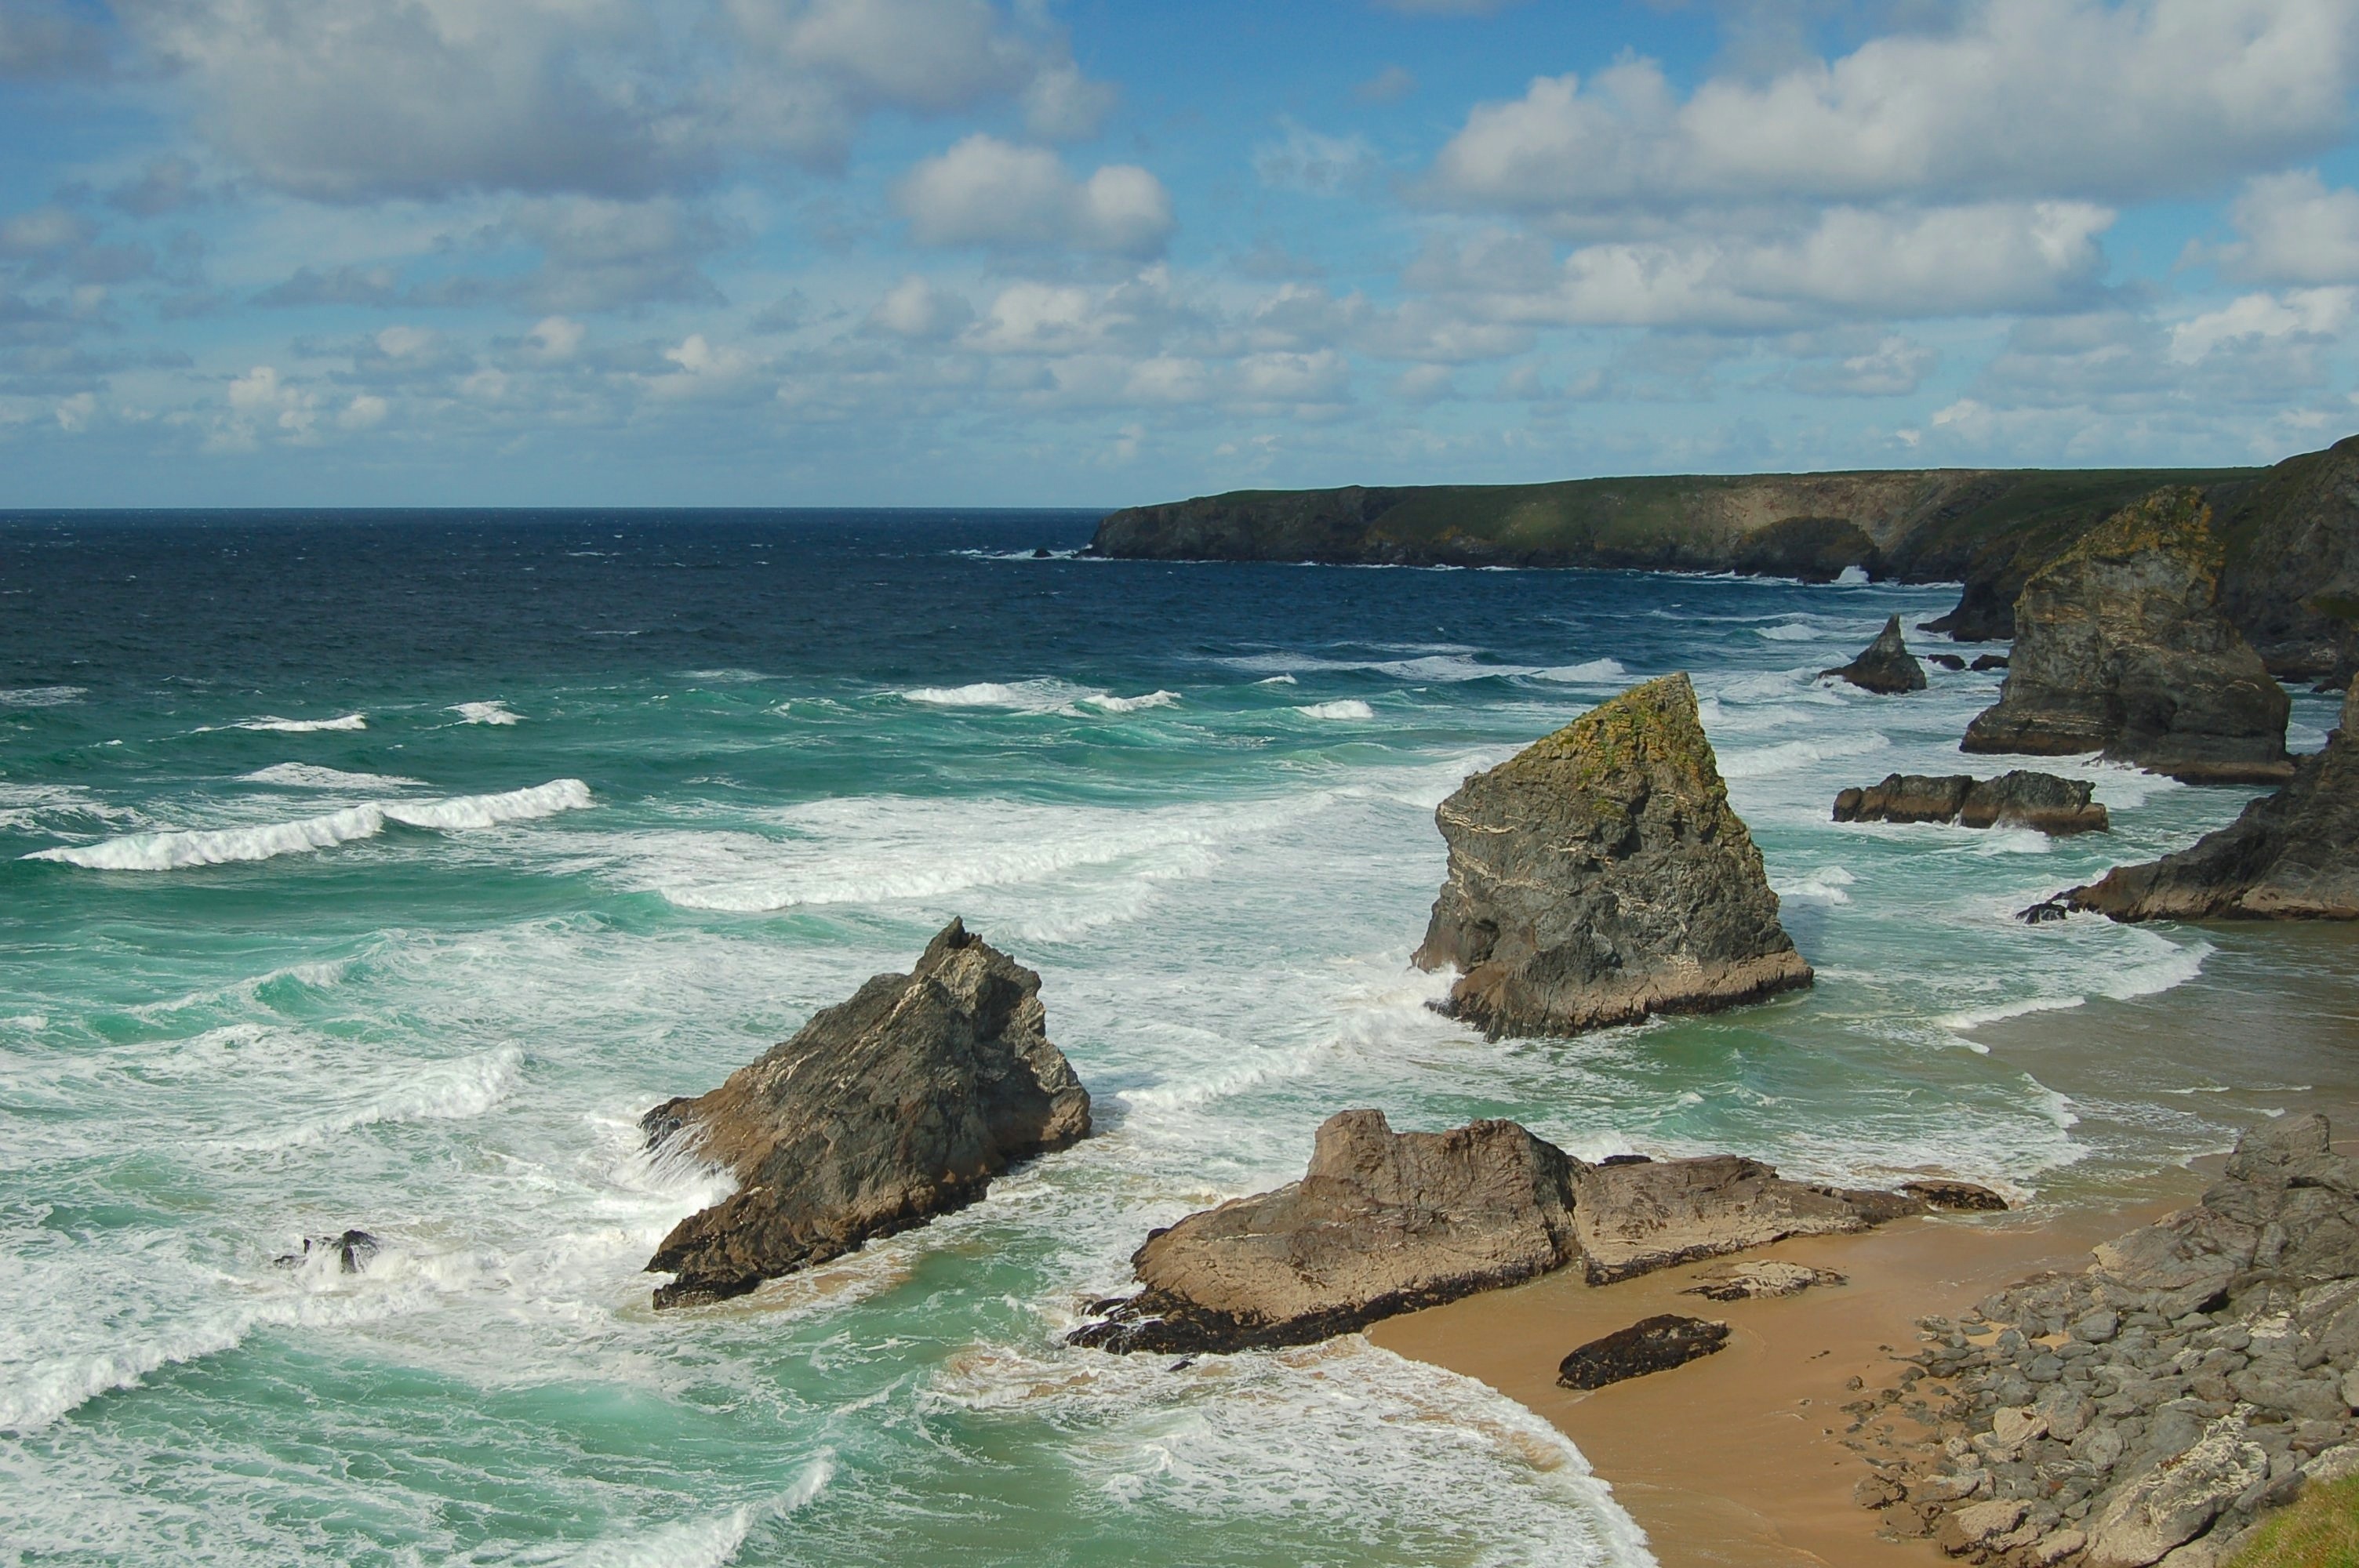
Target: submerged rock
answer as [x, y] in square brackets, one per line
[2293, 854]
[353, 1251]
[899, 1105]
[1385, 1222]
[1991, 662]
[1381, 1223]
[1652, 1345]
[1599, 876]
[1946, 661]
[1954, 1197]
[1761, 1279]
[2121, 648]
[2020, 798]
[1886, 665]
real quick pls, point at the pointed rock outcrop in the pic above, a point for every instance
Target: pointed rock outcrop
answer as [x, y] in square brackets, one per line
[1886, 665]
[2121, 648]
[899, 1105]
[1599, 876]
[1386, 1222]
[2293, 854]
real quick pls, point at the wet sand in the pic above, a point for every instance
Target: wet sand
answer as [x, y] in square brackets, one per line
[1738, 1459]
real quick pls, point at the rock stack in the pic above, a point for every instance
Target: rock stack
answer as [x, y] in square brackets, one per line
[1885, 666]
[2202, 1372]
[1599, 876]
[1386, 1222]
[2293, 854]
[2018, 799]
[899, 1105]
[2121, 648]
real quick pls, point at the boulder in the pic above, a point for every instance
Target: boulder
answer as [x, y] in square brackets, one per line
[899, 1105]
[1652, 1345]
[1990, 661]
[1886, 665]
[1953, 1198]
[1381, 1223]
[1761, 1279]
[1946, 661]
[2176, 1500]
[2293, 854]
[2020, 798]
[2121, 648]
[1600, 876]
[1632, 1220]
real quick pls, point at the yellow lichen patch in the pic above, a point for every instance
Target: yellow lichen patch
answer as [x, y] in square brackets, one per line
[1653, 725]
[2174, 522]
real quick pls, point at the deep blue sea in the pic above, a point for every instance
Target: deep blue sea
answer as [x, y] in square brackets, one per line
[378, 870]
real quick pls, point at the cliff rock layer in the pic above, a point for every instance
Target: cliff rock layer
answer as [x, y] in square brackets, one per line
[2293, 854]
[2120, 647]
[899, 1105]
[1385, 1222]
[1599, 876]
[1886, 665]
[2290, 581]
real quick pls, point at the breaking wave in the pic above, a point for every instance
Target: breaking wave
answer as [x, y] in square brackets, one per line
[168, 851]
[1347, 708]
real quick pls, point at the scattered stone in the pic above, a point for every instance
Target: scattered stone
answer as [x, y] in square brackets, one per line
[2293, 854]
[2055, 1548]
[353, 1251]
[1990, 661]
[2045, 912]
[1652, 1345]
[1600, 876]
[2020, 798]
[1946, 661]
[1761, 1278]
[1978, 1524]
[899, 1105]
[2120, 648]
[1044, 553]
[1381, 1223]
[1958, 1197]
[1886, 665]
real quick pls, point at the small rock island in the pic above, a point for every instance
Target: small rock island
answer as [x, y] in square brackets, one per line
[1599, 876]
[882, 1112]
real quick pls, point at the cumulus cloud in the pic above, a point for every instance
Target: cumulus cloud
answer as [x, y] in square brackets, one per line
[1894, 367]
[2301, 313]
[916, 310]
[2293, 229]
[353, 100]
[2021, 99]
[985, 191]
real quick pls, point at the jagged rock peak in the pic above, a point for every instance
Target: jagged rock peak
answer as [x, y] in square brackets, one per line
[2121, 648]
[1886, 665]
[1600, 875]
[2293, 854]
[895, 1106]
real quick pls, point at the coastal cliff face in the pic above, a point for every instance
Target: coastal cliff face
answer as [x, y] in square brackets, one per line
[1600, 876]
[2120, 647]
[899, 1105]
[2293, 854]
[2290, 580]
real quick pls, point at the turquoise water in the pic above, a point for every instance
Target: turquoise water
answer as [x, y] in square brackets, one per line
[379, 871]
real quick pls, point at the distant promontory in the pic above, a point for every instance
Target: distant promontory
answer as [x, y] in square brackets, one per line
[2291, 580]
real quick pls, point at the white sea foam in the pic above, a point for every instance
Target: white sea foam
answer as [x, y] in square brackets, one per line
[1825, 885]
[447, 1091]
[1046, 696]
[304, 726]
[1130, 704]
[1343, 707]
[1763, 760]
[1275, 680]
[1584, 674]
[2164, 966]
[1852, 576]
[41, 696]
[486, 713]
[167, 851]
[1432, 669]
[705, 1542]
[308, 775]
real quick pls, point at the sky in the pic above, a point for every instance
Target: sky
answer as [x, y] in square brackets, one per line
[1012, 253]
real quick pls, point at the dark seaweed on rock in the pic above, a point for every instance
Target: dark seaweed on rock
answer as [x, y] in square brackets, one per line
[1654, 1344]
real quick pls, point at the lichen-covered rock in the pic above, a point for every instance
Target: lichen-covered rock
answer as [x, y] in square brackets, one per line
[1599, 876]
[1632, 1218]
[2176, 1500]
[2293, 854]
[1656, 1343]
[899, 1105]
[1381, 1223]
[2121, 648]
[1885, 666]
[2020, 798]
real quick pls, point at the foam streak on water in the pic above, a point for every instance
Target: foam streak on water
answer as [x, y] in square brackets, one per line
[387, 972]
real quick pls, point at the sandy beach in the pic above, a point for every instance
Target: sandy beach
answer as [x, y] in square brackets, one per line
[1739, 1459]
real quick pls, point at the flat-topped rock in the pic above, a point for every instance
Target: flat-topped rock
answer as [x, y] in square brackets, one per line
[2121, 648]
[2293, 854]
[2020, 798]
[1600, 875]
[1381, 1223]
[1385, 1222]
[899, 1105]
[1762, 1279]
[1885, 666]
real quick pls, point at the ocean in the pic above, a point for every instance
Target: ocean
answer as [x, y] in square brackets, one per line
[378, 870]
